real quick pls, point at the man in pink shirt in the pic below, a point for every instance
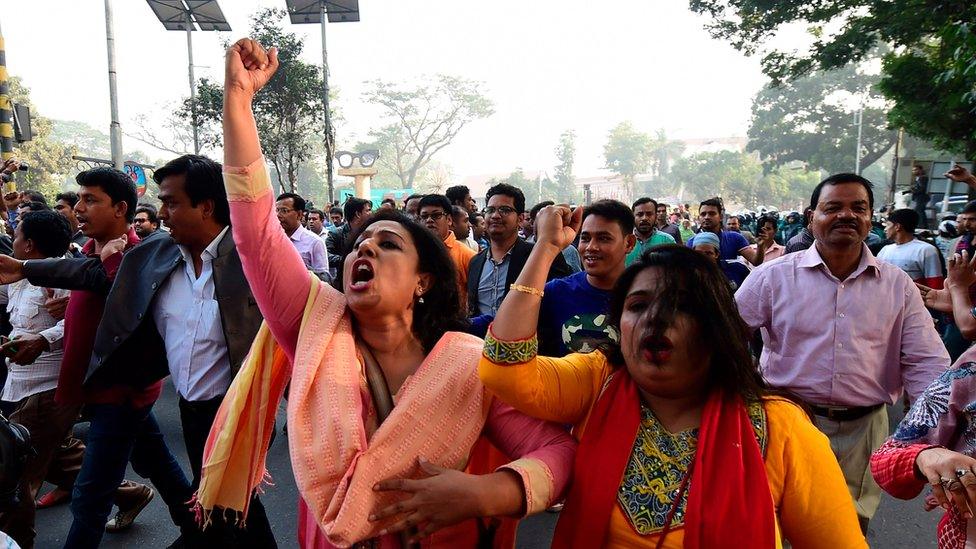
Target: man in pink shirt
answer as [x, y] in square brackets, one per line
[843, 331]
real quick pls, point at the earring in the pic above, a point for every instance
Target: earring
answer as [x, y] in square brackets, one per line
[421, 300]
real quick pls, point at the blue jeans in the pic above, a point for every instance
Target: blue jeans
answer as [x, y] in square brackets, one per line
[119, 434]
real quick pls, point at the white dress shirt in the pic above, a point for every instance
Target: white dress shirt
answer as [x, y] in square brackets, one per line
[188, 318]
[312, 249]
[25, 303]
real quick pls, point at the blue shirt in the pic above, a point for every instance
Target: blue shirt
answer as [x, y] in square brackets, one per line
[573, 317]
[730, 243]
[491, 285]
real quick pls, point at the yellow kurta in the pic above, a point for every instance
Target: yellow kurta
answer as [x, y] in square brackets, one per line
[810, 497]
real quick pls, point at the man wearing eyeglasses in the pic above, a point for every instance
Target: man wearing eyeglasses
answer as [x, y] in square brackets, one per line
[435, 214]
[494, 270]
[290, 209]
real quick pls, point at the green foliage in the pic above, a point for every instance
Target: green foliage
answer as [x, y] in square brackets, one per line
[49, 159]
[422, 119]
[928, 74]
[738, 178]
[805, 120]
[934, 91]
[627, 152]
[564, 187]
[530, 188]
[288, 110]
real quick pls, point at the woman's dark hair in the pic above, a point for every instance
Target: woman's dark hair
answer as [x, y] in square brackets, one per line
[441, 310]
[204, 180]
[48, 230]
[694, 285]
[117, 185]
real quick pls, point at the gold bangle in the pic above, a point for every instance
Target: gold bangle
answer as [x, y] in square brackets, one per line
[527, 290]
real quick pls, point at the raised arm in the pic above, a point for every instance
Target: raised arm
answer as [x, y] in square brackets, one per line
[274, 269]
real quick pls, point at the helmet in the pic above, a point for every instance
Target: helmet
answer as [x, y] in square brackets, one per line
[947, 229]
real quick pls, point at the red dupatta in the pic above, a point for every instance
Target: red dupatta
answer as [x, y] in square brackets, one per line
[728, 498]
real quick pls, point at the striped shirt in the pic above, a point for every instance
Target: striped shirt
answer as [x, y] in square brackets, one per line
[25, 303]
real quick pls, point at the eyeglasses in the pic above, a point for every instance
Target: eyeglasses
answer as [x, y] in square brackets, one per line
[436, 216]
[284, 211]
[501, 210]
[366, 158]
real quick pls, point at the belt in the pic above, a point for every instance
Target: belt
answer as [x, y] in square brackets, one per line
[843, 413]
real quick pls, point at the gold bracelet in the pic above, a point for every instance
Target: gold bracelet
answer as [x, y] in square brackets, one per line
[527, 290]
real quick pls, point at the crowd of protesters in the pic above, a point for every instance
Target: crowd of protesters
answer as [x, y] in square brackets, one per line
[674, 377]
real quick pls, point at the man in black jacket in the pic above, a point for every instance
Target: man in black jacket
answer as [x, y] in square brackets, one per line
[180, 306]
[493, 271]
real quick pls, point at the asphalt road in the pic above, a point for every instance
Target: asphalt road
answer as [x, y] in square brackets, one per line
[898, 524]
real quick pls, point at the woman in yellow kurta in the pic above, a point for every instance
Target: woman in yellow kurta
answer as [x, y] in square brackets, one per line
[681, 443]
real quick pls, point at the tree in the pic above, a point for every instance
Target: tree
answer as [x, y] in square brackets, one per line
[738, 178]
[423, 119]
[288, 110]
[628, 152]
[49, 160]
[806, 120]
[564, 184]
[934, 92]
[518, 179]
[928, 72]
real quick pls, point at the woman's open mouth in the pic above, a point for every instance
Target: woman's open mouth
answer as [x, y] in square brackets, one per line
[362, 275]
[656, 349]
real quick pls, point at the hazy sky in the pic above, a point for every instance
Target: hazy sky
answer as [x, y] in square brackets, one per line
[548, 65]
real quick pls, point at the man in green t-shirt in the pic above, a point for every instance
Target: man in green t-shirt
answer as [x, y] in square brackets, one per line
[645, 228]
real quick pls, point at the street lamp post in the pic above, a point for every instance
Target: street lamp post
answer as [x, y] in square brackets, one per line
[115, 130]
[322, 11]
[190, 15]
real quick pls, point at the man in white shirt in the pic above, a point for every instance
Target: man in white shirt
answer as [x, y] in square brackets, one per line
[290, 208]
[920, 260]
[316, 224]
[182, 307]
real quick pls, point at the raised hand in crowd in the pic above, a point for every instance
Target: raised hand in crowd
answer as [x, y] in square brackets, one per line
[558, 225]
[11, 200]
[937, 300]
[113, 247]
[961, 271]
[55, 306]
[951, 476]
[10, 165]
[961, 175]
[248, 67]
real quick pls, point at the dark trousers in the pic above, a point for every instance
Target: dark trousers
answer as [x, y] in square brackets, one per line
[47, 422]
[197, 417]
[120, 434]
[919, 204]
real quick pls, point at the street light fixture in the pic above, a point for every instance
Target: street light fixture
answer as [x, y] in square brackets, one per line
[319, 11]
[190, 15]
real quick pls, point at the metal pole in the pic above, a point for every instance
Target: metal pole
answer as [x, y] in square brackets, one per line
[857, 152]
[329, 133]
[115, 130]
[193, 91]
[894, 168]
[6, 114]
